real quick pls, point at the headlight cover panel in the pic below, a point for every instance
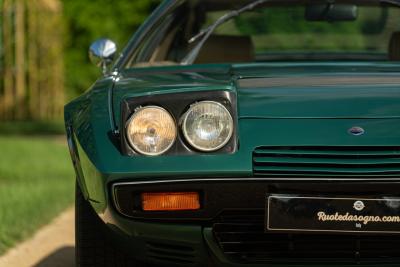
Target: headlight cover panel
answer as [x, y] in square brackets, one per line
[177, 105]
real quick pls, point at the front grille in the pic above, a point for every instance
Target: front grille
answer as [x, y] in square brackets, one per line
[326, 162]
[240, 235]
[167, 253]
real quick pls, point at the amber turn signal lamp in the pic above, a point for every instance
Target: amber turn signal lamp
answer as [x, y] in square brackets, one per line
[170, 201]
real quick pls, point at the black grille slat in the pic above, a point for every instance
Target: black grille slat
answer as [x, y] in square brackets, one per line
[356, 150]
[361, 162]
[318, 161]
[244, 244]
[328, 168]
[171, 253]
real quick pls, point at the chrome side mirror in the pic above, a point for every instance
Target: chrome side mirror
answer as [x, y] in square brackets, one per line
[102, 52]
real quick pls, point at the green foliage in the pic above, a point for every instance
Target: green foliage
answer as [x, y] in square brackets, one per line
[88, 20]
[36, 184]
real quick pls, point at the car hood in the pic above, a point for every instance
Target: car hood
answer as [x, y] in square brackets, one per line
[281, 90]
[319, 91]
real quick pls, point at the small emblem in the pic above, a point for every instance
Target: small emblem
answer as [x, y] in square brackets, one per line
[356, 131]
[359, 205]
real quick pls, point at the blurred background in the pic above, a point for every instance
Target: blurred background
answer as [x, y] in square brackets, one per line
[43, 65]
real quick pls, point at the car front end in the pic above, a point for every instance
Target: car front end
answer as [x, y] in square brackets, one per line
[244, 164]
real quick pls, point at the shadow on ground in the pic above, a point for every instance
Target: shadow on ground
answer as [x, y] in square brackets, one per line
[63, 257]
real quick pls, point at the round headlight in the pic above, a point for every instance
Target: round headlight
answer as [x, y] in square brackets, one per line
[151, 131]
[207, 126]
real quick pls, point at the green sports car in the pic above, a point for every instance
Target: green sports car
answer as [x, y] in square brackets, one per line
[243, 133]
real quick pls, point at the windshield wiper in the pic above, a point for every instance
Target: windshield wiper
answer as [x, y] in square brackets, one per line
[206, 33]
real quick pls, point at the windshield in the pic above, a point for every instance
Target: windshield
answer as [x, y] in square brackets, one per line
[276, 32]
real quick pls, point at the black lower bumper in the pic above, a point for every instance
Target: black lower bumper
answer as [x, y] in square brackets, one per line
[233, 221]
[218, 195]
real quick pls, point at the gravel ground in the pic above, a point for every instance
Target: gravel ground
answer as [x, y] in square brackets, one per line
[51, 246]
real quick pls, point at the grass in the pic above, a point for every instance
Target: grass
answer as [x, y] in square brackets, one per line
[36, 184]
[38, 128]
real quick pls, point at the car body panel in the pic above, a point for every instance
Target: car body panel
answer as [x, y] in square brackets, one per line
[84, 117]
[340, 90]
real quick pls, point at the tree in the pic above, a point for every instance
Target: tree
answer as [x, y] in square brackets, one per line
[88, 20]
[31, 77]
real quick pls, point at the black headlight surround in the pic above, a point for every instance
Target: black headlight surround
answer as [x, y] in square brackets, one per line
[177, 104]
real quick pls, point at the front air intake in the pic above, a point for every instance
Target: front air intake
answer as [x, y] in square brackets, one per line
[326, 162]
[241, 237]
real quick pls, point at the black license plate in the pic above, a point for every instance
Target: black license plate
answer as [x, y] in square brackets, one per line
[285, 213]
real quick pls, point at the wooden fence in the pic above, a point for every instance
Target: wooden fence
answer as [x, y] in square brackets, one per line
[31, 60]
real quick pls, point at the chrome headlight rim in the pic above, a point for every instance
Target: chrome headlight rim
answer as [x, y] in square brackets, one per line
[131, 142]
[188, 139]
